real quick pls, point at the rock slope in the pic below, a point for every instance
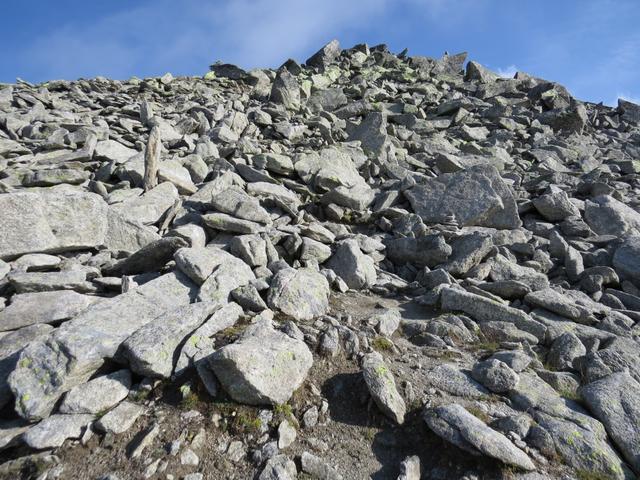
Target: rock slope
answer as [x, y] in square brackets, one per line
[367, 265]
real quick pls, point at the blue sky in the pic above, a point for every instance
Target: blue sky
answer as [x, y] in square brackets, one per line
[590, 46]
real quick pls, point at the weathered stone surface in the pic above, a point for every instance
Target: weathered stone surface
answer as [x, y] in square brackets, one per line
[121, 418]
[149, 207]
[152, 257]
[583, 448]
[626, 259]
[382, 387]
[476, 196]
[98, 394]
[152, 350]
[503, 269]
[126, 234]
[495, 375]
[199, 344]
[608, 216]
[456, 425]
[302, 294]
[467, 252]
[53, 431]
[263, 367]
[555, 206]
[325, 56]
[33, 282]
[50, 221]
[354, 267]
[43, 307]
[456, 382]
[72, 353]
[427, 251]
[615, 401]
[237, 203]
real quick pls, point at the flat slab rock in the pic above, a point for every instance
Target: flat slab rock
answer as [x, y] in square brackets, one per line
[72, 353]
[263, 367]
[302, 294]
[43, 307]
[456, 425]
[53, 431]
[382, 387]
[476, 196]
[152, 350]
[50, 221]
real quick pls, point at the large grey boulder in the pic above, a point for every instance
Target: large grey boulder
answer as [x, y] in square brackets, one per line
[372, 134]
[555, 205]
[236, 202]
[486, 310]
[302, 294]
[152, 257]
[455, 424]
[126, 234]
[583, 448]
[626, 259]
[326, 55]
[121, 418]
[50, 221]
[497, 376]
[354, 267]
[216, 271]
[149, 207]
[200, 344]
[285, 90]
[252, 249]
[153, 349]
[615, 401]
[382, 387]
[72, 353]
[503, 269]
[328, 169]
[565, 352]
[263, 367]
[476, 196]
[427, 251]
[608, 216]
[455, 381]
[53, 431]
[43, 307]
[98, 394]
[467, 252]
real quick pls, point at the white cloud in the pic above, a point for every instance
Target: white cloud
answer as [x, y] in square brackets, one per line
[164, 34]
[185, 37]
[507, 72]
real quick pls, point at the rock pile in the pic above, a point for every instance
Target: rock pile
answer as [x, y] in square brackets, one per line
[231, 239]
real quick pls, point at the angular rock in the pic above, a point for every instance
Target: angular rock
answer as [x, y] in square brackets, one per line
[263, 367]
[427, 251]
[97, 395]
[495, 375]
[476, 196]
[50, 221]
[456, 425]
[302, 294]
[382, 387]
[354, 267]
[44, 307]
[53, 431]
[72, 353]
[120, 419]
[153, 349]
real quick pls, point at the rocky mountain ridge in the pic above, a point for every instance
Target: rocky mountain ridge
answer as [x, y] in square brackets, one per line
[367, 266]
